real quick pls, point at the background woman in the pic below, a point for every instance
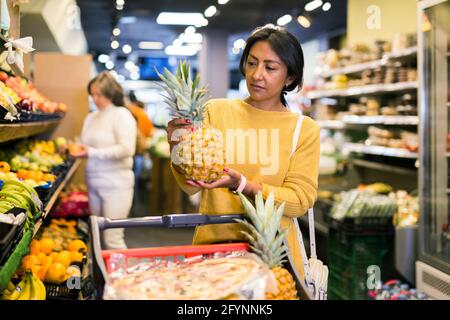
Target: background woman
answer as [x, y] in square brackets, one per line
[109, 142]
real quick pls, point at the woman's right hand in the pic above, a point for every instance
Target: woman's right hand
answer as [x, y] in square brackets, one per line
[172, 126]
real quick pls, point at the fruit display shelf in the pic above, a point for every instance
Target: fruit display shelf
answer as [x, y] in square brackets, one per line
[379, 150]
[363, 90]
[360, 67]
[56, 193]
[12, 131]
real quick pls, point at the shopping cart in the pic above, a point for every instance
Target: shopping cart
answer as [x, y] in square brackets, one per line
[99, 258]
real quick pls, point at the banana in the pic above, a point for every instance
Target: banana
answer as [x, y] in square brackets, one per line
[26, 289]
[11, 286]
[15, 294]
[38, 289]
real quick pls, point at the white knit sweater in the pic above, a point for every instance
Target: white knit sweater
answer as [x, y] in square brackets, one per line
[110, 135]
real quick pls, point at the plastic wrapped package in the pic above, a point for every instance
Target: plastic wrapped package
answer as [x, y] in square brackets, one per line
[232, 275]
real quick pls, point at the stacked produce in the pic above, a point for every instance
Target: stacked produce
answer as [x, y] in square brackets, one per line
[201, 153]
[408, 209]
[18, 97]
[73, 203]
[54, 251]
[365, 202]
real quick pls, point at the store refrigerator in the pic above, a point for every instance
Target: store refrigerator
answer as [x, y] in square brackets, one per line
[433, 266]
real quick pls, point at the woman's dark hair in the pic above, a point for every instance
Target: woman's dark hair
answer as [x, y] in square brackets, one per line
[286, 46]
[134, 99]
[109, 87]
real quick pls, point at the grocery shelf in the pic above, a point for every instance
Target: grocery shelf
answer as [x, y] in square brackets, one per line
[12, 131]
[355, 68]
[383, 167]
[363, 90]
[379, 150]
[330, 124]
[387, 120]
[55, 195]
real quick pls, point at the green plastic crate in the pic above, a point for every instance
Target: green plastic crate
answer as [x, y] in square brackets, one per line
[348, 259]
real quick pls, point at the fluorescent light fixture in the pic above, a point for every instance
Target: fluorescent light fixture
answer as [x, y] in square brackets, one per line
[120, 8]
[189, 30]
[211, 11]
[236, 50]
[128, 20]
[182, 18]
[313, 5]
[326, 6]
[239, 43]
[109, 65]
[181, 50]
[150, 45]
[120, 2]
[191, 38]
[223, 1]
[116, 32]
[127, 49]
[103, 58]
[115, 44]
[284, 20]
[304, 22]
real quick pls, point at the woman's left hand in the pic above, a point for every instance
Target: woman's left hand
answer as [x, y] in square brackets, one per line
[231, 180]
[81, 151]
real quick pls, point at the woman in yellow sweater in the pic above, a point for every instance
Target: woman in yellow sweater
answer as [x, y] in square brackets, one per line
[280, 148]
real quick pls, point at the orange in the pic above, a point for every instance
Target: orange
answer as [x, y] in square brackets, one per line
[29, 262]
[56, 273]
[22, 174]
[71, 230]
[48, 177]
[42, 257]
[35, 247]
[77, 246]
[4, 167]
[53, 255]
[47, 245]
[63, 257]
[76, 256]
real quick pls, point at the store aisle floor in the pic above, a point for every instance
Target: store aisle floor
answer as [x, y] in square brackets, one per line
[152, 237]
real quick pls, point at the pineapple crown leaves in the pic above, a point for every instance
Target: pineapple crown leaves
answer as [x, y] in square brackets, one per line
[265, 236]
[182, 94]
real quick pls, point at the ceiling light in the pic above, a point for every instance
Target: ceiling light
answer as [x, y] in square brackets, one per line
[103, 58]
[109, 65]
[236, 50]
[150, 45]
[313, 5]
[127, 49]
[181, 51]
[128, 20]
[223, 1]
[239, 43]
[120, 8]
[191, 38]
[304, 22]
[182, 18]
[129, 65]
[177, 42]
[326, 6]
[211, 11]
[134, 76]
[116, 31]
[120, 2]
[189, 30]
[284, 20]
[115, 44]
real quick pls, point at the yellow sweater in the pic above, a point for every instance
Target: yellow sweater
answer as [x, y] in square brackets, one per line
[293, 179]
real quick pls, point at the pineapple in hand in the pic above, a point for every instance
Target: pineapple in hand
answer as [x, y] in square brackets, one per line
[200, 154]
[266, 240]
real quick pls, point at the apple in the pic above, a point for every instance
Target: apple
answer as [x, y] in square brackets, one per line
[3, 76]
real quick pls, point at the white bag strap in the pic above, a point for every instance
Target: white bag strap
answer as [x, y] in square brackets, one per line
[296, 135]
